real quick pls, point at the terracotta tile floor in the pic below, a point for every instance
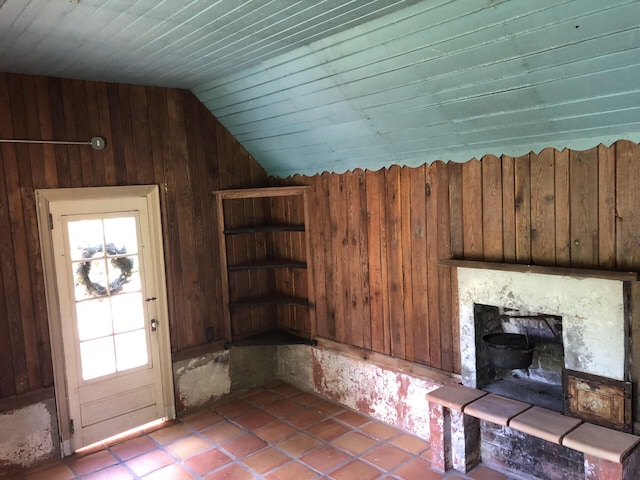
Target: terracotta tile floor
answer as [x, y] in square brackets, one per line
[273, 433]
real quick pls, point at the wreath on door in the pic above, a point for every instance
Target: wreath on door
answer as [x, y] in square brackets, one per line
[123, 264]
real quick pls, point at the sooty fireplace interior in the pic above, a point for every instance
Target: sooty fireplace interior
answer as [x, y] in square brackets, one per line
[520, 354]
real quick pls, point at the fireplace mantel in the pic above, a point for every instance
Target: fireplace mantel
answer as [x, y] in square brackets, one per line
[544, 270]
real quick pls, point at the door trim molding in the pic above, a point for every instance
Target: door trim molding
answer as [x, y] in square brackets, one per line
[44, 199]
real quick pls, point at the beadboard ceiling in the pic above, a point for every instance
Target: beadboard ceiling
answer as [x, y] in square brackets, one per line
[332, 85]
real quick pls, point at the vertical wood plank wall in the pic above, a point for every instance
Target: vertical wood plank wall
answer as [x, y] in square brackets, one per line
[377, 279]
[377, 237]
[154, 136]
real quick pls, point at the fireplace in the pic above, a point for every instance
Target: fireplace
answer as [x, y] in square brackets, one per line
[593, 312]
[578, 323]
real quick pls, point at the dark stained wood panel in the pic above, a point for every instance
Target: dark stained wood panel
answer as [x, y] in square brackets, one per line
[508, 209]
[446, 312]
[362, 242]
[82, 131]
[92, 126]
[436, 203]
[406, 232]
[336, 254]
[12, 248]
[562, 209]
[23, 222]
[106, 157]
[455, 210]
[492, 208]
[583, 172]
[542, 207]
[351, 288]
[393, 217]
[417, 335]
[49, 171]
[522, 198]
[141, 134]
[627, 205]
[606, 207]
[376, 248]
[319, 211]
[359, 303]
[472, 209]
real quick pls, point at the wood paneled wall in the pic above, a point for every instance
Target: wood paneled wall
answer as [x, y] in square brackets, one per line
[378, 237]
[376, 240]
[154, 136]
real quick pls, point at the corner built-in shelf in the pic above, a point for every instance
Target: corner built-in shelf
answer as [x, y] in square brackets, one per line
[267, 264]
[265, 255]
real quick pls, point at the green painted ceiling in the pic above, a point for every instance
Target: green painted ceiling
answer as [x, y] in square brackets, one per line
[308, 86]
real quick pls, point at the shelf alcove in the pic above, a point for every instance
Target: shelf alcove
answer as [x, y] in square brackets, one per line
[266, 266]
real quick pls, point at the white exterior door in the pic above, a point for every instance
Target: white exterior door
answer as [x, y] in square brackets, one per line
[112, 315]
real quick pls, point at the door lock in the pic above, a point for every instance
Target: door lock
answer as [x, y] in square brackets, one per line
[154, 325]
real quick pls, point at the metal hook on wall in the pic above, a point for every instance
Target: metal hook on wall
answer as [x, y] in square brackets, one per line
[97, 143]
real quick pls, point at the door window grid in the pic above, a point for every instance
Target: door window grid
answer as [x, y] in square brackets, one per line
[108, 295]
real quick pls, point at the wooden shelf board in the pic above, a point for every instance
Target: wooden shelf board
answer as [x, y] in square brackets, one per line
[272, 337]
[267, 264]
[264, 228]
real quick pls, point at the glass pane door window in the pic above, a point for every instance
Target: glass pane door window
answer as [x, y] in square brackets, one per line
[109, 304]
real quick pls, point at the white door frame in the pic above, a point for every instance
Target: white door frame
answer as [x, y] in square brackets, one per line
[45, 197]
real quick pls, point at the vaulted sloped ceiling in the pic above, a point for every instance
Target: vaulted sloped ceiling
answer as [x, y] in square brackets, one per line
[308, 86]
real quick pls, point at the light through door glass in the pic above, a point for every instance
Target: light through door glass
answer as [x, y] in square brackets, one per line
[108, 295]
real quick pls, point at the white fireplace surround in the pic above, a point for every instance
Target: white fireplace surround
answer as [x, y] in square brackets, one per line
[592, 309]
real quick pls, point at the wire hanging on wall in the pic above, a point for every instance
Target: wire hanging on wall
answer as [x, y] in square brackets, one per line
[97, 143]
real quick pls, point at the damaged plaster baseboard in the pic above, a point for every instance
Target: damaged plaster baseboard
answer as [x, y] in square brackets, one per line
[378, 386]
[389, 394]
[381, 387]
[28, 436]
[201, 380]
[211, 376]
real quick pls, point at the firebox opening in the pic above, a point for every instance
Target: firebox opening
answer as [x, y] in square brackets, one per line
[541, 383]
